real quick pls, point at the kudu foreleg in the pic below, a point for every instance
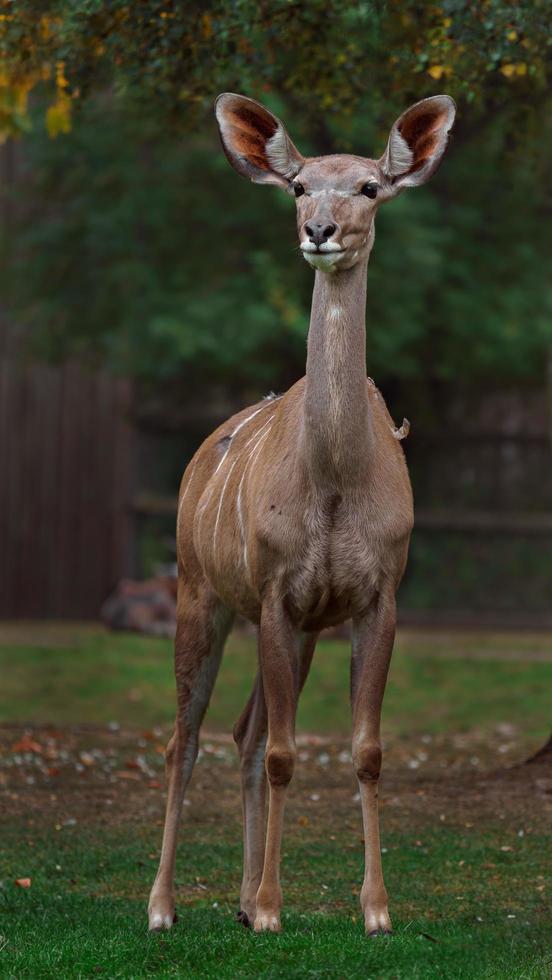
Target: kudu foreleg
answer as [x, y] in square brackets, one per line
[279, 656]
[202, 627]
[373, 639]
[250, 735]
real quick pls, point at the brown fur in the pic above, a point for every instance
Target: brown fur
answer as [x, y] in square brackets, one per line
[297, 513]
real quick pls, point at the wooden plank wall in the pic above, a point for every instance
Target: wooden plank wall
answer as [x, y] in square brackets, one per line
[65, 488]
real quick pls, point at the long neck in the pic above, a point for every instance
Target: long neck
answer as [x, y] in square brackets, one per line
[336, 426]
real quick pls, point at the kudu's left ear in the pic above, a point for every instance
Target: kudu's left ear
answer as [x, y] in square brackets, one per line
[255, 141]
[417, 141]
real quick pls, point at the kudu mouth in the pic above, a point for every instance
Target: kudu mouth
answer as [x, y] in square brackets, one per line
[324, 255]
[322, 249]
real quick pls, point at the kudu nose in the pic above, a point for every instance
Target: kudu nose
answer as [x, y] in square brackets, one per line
[319, 232]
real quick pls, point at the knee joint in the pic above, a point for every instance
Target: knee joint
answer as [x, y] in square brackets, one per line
[238, 733]
[367, 761]
[280, 763]
[170, 753]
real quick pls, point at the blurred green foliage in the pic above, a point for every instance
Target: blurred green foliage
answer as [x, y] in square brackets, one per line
[144, 249]
[130, 240]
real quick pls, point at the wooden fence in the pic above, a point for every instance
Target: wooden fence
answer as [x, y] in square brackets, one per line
[65, 486]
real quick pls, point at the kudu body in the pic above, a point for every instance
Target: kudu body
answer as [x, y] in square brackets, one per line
[297, 512]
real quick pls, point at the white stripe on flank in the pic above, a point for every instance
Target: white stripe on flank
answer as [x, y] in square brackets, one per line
[248, 419]
[240, 519]
[232, 434]
[258, 432]
[253, 454]
[220, 503]
[221, 461]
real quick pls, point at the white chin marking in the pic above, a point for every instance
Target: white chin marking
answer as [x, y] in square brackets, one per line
[326, 262]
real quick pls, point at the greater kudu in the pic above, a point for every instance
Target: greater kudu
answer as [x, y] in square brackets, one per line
[297, 511]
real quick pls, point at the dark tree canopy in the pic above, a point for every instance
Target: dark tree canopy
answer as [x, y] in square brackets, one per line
[323, 55]
[110, 252]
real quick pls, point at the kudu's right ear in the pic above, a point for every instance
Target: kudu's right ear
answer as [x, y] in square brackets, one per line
[255, 141]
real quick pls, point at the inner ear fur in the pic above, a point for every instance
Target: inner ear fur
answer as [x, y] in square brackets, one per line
[255, 141]
[418, 140]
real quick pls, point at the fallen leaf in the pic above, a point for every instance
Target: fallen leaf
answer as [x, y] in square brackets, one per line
[27, 744]
[23, 882]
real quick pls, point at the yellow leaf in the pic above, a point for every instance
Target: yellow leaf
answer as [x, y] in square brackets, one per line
[61, 80]
[436, 71]
[507, 70]
[58, 116]
[512, 35]
[521, 68]
[447, 22]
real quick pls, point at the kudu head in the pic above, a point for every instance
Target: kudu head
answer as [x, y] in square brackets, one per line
[337, 196]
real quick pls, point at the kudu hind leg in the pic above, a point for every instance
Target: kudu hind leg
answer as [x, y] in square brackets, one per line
[372, 647]
[250, 737]
[202, 628]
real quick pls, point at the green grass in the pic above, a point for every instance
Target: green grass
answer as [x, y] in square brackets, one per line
[467, 893]
[434, 686]
[81, 918]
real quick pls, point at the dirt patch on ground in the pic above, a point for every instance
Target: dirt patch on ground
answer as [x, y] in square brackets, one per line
[109, 776]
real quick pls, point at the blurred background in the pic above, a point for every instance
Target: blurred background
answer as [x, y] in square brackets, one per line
[147, 293]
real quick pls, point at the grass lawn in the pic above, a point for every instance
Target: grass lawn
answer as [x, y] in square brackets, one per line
[466, 848]
[439, 683]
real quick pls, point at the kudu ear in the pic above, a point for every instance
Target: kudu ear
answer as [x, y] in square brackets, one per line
[417, 141]
[255, 141]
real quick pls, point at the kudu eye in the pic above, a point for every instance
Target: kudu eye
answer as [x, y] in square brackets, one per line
[298, 189]
[370, 190]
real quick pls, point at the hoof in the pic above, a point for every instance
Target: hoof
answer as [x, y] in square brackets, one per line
[161, 919]
[267, 922]
[243, 918]
[377, 921]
